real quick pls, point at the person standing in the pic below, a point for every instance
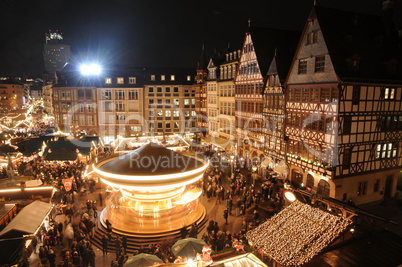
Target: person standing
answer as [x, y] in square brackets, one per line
[226, 215]
[105, 243]
[117, 243]
[100, 199]
[95, 209]
[124, 243]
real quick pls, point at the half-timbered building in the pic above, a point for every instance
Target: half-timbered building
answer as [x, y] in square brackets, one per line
[344, 108]
[274, 103]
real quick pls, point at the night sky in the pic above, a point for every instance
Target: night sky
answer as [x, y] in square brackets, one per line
[145, 32]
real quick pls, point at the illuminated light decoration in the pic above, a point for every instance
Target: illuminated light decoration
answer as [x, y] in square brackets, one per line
[90, 69]
[289, 195]
[155, 190]
[296, 234]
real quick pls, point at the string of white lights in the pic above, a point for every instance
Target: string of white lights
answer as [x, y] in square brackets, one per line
[297, 233]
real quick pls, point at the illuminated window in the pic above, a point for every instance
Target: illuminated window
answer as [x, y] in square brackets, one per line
[163, 77]
[176, 113]
[132, 80]
[168, 113]
[135, 128]
[188, 78]
[388, 150]
[108, 80]
[302, 66]
[152, 77]
[389, 93]
[120, 80]
[172, 77]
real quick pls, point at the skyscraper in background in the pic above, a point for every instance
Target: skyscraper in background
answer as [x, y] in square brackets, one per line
[56, 53]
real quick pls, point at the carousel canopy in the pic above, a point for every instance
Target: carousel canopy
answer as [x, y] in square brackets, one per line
[151, 159]
[296, 234]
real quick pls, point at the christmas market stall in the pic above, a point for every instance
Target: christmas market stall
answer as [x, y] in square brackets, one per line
[295, 235]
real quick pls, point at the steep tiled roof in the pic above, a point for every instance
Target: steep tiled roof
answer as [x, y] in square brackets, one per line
[351, 36]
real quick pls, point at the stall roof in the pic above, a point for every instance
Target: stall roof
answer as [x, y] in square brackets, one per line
[27, 221]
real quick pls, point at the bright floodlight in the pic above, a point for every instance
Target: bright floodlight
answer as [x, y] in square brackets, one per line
[90, 69]
[289, 195]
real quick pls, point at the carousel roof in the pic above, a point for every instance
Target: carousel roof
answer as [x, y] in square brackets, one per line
[150, 160]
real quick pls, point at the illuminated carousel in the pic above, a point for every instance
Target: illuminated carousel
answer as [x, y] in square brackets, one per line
[155, 191]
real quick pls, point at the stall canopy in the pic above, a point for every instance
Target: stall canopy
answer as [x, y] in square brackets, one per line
[27, 221]
[64, 149]
[296, 234]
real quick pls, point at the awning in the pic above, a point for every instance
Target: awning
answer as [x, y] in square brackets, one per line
[266, 162]
[27, 221]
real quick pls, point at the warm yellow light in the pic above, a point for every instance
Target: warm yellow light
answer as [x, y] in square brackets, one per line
[289, 195]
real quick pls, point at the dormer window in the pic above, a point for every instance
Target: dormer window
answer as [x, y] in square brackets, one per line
[172, 77]
[132, 80]
[108, 80]
[120, 80]
[163, 77]
[188, 78]
[152, 77]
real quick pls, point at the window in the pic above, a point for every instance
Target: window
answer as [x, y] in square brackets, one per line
[175, 89]
[188, 78]
[362, 187]
[325, 95]
[106, 94]
[389, 93]
[159, 89]
[302, 66]
[82, 107]
[168, 125]
[152, 77]
[135, 128]
[186, 101]
[160, 125]
[387, 150]
[80, 94]
[150, 90]
[151, 101]
[308, 38]
[176, 101]
[119, 106]
[163, 77]
[315, 37]
[108, 80]
[376, 185]
[176, 113]
[120, 117]
[89, 107]
[132, 80]
[168, 113]
[347, 124]
[120, 94]
[172, 77]
[120, 80]
[151, 113]
[133, 95]
[346, 157]
[90, 120]
[356, 94]
[167, 89]
[167, 101]
[88, 94]
[320, 64]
